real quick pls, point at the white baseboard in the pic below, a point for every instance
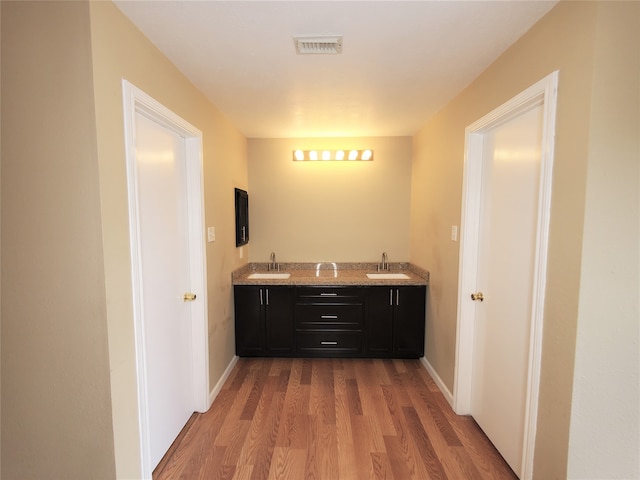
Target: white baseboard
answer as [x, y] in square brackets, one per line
[436, 378]
[216, 390]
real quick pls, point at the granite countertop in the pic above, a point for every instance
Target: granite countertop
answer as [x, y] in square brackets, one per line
[329, 273]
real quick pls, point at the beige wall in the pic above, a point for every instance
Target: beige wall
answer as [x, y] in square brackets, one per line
[329, 211]
[121, 51]
[605, 426]
[56, 407]
[565, 39]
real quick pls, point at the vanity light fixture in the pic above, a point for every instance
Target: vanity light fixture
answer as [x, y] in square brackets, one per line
[327, 155]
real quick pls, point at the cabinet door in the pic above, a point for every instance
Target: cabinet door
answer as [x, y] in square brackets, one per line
[250, 332]
[379, 321]
[408, 321]
[279, 320]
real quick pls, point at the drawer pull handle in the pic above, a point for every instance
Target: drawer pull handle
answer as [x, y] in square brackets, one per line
[328, 343]
[328, 294]
[329, 316]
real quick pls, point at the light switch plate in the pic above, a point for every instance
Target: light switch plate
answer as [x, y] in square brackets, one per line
[211, 234]
[454, 233]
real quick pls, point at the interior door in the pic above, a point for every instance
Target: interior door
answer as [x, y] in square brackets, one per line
[506, 262]
[164, 247]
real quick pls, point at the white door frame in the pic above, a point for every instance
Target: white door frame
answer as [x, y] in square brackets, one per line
[136, 101]
[542, 93]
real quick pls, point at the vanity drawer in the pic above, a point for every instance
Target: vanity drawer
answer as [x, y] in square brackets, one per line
[330, 342]
[329, 316]
[335, 295]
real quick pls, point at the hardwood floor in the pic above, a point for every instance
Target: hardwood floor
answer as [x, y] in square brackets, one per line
[331, 419]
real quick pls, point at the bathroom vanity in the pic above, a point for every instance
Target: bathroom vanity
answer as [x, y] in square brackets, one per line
[346, 310]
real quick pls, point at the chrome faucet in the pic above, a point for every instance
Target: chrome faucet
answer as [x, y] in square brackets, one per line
[273, 265]
[384, 265]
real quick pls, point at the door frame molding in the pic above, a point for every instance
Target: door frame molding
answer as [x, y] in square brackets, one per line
[544, 93]
[136, 101]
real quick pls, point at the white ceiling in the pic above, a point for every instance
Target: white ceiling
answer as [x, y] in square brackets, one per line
[402, 61]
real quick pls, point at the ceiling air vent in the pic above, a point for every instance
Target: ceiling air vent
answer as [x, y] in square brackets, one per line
[322, 45]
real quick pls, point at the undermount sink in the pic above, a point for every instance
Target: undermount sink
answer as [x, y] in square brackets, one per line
[388, 276]
[269, 276]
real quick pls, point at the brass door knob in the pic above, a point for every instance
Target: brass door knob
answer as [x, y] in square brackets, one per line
[477, 296]
[189, 297]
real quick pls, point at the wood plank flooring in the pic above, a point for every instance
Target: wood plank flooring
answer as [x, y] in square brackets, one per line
[331, 419]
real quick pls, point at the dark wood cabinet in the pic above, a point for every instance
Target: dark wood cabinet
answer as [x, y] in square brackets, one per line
[330, 321]
[279, 320]
[395, 319]
[250, 327]
[408, 321]
[264, 320]
[379, 321]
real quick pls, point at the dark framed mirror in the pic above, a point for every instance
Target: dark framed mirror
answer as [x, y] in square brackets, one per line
[242, 217]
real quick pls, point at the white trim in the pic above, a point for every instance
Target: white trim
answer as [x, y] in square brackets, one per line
[198, 272]
[136, 101]
[543, 93]
[469, 227]
[225, 375]
[438, 381]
